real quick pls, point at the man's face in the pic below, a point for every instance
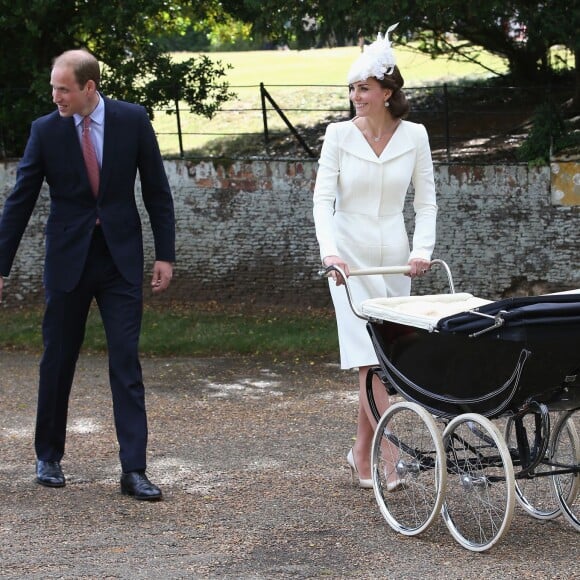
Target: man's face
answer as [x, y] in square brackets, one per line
[66, 93]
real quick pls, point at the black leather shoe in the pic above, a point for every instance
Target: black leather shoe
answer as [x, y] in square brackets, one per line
[49, 473]
[135, 483]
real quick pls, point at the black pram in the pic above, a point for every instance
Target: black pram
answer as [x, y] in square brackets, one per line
[460, 360]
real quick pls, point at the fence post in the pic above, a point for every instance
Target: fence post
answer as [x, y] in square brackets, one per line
[264, 113]
[446, 116]
[178, 116]
[267, 95]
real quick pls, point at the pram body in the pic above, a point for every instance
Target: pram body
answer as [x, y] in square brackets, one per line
[467, 362]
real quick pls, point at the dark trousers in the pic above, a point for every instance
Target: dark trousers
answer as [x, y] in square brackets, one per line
[63, 328]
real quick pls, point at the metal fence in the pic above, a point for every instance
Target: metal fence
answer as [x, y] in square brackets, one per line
[462, 121]
[289, 120]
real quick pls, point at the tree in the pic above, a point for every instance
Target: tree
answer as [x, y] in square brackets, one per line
[522, 31]
[519, 30]
[121, 34]
[306, 23]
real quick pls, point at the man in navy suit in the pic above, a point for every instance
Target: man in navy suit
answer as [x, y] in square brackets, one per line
[94, 250]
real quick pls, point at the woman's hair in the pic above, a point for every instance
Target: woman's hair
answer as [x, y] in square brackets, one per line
[398, 104]
[84, 65]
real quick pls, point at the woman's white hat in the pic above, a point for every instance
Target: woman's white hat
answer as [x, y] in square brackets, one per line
[377, 60]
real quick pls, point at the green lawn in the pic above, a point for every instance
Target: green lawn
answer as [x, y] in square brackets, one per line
[329, 66]
[298, 81]
[195, 330]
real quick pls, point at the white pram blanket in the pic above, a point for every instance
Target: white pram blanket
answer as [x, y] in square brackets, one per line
[420, 311]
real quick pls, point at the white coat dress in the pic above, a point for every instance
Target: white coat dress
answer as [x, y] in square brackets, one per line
[359, 199]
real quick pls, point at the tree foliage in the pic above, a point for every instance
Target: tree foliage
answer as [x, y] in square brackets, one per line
[121, 34]
[548, 135]
[522, 31]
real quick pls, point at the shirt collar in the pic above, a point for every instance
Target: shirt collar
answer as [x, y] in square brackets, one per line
[97, 116]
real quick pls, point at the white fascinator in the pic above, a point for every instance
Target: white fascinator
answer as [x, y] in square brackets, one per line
[377, 60]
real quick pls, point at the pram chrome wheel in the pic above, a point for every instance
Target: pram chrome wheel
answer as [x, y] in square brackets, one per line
[407, 447]
[479, 498]
[565, 452]
[534, 489]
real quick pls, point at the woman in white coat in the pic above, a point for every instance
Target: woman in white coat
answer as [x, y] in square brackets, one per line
[365, 169]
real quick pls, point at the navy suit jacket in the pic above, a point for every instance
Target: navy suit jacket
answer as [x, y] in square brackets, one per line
[53, 153]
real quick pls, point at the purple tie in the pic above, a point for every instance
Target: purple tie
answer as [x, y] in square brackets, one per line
[90, 156]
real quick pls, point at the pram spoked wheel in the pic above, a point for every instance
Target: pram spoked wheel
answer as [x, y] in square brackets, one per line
[565, 452]
[407, 447]
[527, 436]
[479, 499]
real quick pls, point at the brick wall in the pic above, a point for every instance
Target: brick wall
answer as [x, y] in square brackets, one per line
[245, 233]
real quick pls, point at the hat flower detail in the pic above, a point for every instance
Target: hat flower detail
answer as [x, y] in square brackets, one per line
[377, 60]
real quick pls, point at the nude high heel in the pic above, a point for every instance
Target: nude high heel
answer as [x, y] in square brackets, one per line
[364, 483]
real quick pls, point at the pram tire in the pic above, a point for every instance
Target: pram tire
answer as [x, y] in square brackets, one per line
[565, 450]
[535, 495]
[480, 497]
[419, 461]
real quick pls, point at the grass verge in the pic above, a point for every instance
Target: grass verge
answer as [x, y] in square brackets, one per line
[195, 330]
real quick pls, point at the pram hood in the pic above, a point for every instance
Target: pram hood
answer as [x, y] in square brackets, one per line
[550, 309]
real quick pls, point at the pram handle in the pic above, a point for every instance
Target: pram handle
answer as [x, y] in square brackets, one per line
[389, 270]
[383, 271]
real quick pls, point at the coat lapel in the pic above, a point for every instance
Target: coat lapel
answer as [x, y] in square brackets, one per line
[400, 143]
[354, 143]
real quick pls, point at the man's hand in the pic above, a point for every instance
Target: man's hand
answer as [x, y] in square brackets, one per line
[162, 274]
[1, 286]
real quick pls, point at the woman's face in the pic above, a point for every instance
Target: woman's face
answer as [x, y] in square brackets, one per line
[368, 96]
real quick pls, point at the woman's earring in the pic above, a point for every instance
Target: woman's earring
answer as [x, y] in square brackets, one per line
[387, 104]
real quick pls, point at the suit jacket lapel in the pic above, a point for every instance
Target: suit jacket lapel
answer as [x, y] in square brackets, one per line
[72, 149]
[110, 141]
[70, 140]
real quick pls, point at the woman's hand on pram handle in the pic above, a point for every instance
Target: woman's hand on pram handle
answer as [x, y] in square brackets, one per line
[418, 267]
[335, 266]
[338, 262]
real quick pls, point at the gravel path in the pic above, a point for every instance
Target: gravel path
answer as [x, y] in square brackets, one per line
[250, 455]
